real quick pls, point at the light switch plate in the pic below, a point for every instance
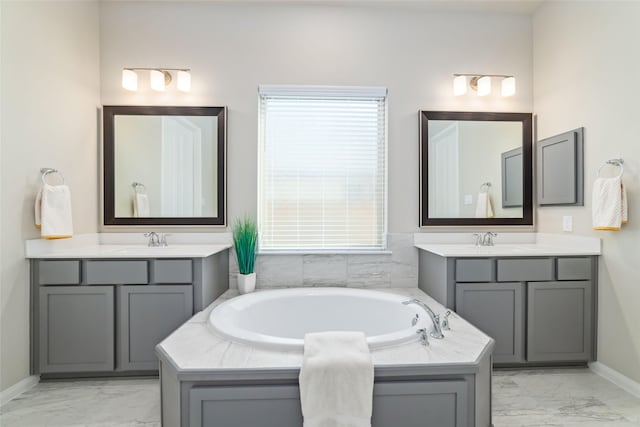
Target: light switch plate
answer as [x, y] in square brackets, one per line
[567, 223]
[468, 199]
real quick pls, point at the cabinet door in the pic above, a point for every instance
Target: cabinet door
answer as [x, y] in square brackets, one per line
[147, 315]
[559, 321]
[497, 309]
[76, 329]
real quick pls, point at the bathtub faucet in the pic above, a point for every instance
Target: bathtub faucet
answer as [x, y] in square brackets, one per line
[435, 319]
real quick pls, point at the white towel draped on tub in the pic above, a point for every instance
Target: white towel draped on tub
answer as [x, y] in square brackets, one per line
[53, 212]
[336, 380]
[484, 208]
[609, 204]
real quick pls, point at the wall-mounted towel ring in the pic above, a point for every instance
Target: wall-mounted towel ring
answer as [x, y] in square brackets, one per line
[138, 186]
[613, 162]
[47, 171]
[485, 187]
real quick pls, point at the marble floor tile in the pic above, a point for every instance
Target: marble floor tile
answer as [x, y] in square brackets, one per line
[529, 398]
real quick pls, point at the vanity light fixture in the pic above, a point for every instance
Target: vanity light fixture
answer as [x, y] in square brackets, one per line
[481, 83]
[159, 78]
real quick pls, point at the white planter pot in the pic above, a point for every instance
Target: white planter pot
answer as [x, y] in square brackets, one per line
[246, 283]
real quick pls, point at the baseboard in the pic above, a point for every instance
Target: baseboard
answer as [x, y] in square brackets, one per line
[616, 377]
[18, 388]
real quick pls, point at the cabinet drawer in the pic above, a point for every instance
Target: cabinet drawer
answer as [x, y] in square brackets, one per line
[525, 270]
[171, 271]
[116, 272]
[574, 268]
[474, 270]
[59, 272]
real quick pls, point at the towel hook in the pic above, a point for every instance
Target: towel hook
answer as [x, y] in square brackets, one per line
[47, 171]
[613, 162]
[485, 187]
[136, 185]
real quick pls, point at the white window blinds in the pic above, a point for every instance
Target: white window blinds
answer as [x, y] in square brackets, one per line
[322, 168]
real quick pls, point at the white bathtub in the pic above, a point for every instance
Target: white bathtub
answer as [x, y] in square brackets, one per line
[279, 319]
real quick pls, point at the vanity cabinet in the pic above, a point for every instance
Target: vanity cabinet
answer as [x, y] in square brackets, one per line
[105, 316]
[540, 310]
[147, 314]
[497, 309]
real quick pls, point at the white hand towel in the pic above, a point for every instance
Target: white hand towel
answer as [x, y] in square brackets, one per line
[38, 208]
[141, 205]
[483, 206]
[336, 380]
[55, 213]
[609, 204]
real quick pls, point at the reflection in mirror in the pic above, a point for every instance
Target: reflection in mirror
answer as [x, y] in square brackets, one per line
[164, 165]
[475, 168]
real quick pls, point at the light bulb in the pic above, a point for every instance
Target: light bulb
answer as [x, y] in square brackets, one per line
[129, 80]
[156, 79]
[184, 81]
[509, 86]
[459, 85]
[484, 86]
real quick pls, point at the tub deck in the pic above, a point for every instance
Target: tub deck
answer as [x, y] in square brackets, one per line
[208, 380]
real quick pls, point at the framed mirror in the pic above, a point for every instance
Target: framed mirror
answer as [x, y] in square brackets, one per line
[164, 166]
[475, 169]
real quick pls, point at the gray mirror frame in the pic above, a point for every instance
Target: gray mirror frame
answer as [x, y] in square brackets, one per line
[108, 159]
[527, 165]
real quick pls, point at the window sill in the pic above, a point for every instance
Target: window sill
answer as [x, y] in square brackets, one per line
[330, 252]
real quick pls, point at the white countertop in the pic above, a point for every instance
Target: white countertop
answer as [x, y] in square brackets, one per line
[508, 245]
[194, 347]
[127, 245]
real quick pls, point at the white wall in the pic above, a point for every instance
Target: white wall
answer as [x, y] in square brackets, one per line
[50, 92]
[231, 49]
[585, 65]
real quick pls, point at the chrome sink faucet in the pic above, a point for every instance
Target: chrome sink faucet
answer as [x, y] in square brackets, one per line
[435, 319]
[154, 239]
[485, 239]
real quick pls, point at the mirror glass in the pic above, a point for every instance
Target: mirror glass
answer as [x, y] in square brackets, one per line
[163, 164]
[473, 168]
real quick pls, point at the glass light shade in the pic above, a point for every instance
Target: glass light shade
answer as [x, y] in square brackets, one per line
[484, 86]
[459, 85]
[156, 79]
[509, 86]
[129, 80]
[184, 81]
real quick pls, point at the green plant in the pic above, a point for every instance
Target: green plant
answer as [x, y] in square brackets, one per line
[245, 243]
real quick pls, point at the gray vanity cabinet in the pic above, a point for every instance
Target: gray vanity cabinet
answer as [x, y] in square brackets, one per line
[107, 315]
[540, 310]
[76, 328]
[559, 321]
[147, 315]
[497, 309]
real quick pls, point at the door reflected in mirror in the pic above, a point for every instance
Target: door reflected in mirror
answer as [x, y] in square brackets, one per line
[475, 168]
[164, 165]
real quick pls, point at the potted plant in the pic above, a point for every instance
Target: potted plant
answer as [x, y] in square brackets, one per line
[245, 243]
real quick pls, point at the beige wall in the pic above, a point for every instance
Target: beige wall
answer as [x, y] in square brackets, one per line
[585, 65]
[50, 92]
[231, 49]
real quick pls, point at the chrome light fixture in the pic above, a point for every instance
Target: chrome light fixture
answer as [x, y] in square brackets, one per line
[159, 78]
[481, 83]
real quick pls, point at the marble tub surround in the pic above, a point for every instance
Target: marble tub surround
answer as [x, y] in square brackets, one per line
[194, 349]
[128, 245]
[508, 244]
[395, 267]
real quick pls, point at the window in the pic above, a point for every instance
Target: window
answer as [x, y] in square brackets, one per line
[322, 168]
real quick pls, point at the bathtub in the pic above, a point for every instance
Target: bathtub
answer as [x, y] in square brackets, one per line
[279, 319]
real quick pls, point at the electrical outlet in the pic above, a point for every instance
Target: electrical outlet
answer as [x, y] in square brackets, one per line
[567, 223]
[468, 199]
